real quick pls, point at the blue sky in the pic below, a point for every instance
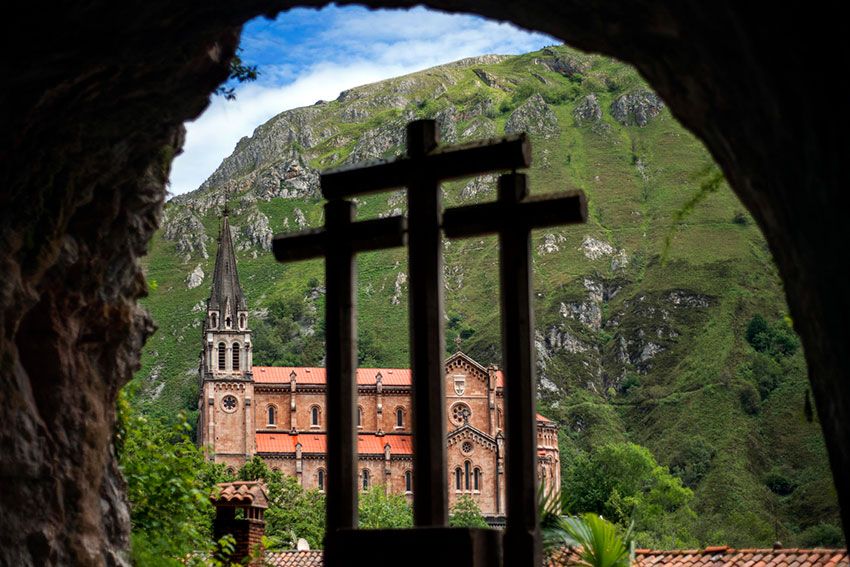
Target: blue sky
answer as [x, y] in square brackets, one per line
[305, 55]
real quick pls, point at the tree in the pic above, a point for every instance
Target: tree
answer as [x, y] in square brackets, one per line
[623, 482]
[168, 485]
[379, 510]
[466, 514]
[240, 73]
[293, 512]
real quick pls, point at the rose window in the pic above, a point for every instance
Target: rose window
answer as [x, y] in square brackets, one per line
[229, 403]
[460, 413]
[466, 447]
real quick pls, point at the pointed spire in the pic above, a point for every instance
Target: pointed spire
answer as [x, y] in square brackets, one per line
[226, 295]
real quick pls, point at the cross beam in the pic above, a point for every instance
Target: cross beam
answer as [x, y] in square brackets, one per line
[421, 171]
[338, 243]
[513, 216]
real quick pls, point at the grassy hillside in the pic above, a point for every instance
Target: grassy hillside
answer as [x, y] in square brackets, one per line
[641, 313]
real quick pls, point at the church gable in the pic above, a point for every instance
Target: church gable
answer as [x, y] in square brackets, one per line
[465, 377]
[469, 434]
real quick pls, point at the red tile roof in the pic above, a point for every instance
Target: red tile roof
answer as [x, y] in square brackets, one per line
[240, 493]
[718, 556]
[367, 444]
[711, 556]
[316, 375]
[312, 558]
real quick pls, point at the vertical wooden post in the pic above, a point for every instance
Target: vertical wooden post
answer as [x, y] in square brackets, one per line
[425, 264]
[522, 530]
[341, 333]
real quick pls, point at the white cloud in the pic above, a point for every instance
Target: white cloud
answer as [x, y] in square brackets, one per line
[354, 48]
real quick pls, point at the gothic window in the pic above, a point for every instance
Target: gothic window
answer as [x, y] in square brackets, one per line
[359, 416]
[242, 321]
[236, 356]
[222, 356]
[408, 481]
[272, 415]
[229, 403]
[314, 416]
[476, 478]
[466, 474]
[227, 322]
[321, 480]
[461, 413]
[458, 475]
[213, 320]
[365, 479]
[399, 417]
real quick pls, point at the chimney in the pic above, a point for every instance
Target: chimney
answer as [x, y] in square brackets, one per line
[239, 508]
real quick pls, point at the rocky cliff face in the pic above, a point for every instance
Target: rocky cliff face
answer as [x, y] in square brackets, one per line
[639, 317]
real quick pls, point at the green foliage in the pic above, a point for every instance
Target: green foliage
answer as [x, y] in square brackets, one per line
[623, 482]
[750, 399]
[777, 339]
[239, 72]
[779, 483]
[168, 485]
[466, 514]
[692, 461]
[293, 512]
[378, 509]
[596, 540]
[822, 535]
[280, 339]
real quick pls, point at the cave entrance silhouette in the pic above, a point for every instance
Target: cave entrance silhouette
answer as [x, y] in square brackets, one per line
[94, 102]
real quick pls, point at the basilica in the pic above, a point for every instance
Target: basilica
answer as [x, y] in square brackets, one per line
[279, 413]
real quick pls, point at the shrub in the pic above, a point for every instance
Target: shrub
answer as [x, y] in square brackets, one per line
[466, 514]
[750, 399]
[822, 535]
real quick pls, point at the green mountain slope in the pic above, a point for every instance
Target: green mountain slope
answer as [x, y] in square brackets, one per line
[641, 317]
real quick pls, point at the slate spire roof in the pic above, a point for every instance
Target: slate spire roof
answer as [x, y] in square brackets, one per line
[226, 295]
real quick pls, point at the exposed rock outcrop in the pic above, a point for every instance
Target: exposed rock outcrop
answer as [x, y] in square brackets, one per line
[534, 117]
[185, 229]
[195, 277]
[637, 107]
[588, 110]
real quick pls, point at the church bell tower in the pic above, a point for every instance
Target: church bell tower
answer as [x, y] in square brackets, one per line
[225, 423]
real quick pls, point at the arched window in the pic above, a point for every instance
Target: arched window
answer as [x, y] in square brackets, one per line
[242, 321]
[222, 356]
[476, 477]
[272, 415]
[321, 480]
[466, 471]
[314, 416]
[236, 356]
[408, 481]
[399, 417]
[359, 416]
[458, 475]
[365, 479]
[213, 320]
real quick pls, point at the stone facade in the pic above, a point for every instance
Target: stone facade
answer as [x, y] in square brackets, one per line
[280, 414]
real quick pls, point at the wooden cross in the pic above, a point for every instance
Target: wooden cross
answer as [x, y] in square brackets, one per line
[513, 216]
[421, 172]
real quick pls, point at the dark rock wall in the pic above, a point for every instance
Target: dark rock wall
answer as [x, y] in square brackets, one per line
[93, 97]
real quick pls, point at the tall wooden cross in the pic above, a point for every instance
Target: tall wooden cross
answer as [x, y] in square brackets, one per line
[421, 171]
